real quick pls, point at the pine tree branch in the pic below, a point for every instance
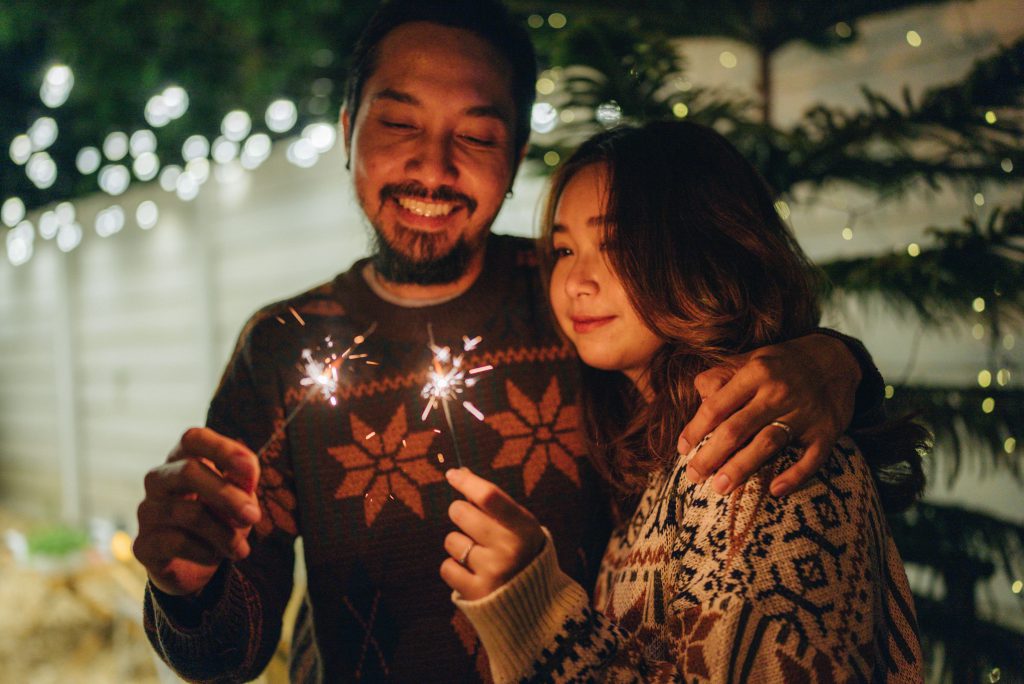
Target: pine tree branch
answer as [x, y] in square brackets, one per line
[945, 135]
[958, 421]
[939, 286]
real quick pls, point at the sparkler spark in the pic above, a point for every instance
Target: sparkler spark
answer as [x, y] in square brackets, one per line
[447, 379]
[320, 376]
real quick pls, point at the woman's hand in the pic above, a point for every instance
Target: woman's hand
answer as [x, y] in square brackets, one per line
[496, 539]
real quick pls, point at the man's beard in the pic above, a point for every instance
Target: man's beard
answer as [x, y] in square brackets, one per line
[431, 268]
[424, 260]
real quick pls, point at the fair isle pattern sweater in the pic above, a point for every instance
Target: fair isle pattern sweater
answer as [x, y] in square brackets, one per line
[362, 482]
[697, 587]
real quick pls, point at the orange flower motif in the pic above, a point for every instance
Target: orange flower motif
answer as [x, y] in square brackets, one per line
[696, 626]
[538, 435]
[389, 465]
[277, 500]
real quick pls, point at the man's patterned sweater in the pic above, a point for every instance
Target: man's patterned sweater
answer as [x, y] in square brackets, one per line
[362, 482]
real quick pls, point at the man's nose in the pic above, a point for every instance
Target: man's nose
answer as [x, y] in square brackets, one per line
[433, 161]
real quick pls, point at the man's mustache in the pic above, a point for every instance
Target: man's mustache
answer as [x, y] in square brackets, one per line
[442, 193]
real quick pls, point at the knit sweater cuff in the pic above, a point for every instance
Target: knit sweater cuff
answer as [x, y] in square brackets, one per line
[519, 620]
[198, 639]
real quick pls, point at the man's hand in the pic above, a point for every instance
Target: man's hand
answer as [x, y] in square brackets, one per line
[497, 537]
[809, 384]
[199, 507]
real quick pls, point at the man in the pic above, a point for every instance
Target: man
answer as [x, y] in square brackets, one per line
[435, 124]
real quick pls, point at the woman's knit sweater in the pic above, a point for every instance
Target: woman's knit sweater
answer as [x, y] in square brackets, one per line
[698, 587]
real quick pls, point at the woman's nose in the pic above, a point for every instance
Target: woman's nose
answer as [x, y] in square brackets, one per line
[582, 279]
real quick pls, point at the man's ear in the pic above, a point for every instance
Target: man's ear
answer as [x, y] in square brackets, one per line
[518, 161]
[346, 132]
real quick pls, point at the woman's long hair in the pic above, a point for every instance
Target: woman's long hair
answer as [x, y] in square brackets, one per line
[695, 239]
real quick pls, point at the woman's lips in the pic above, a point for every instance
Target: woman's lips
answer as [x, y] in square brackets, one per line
[584, 324]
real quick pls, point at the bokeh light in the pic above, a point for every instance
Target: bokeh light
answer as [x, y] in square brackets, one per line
[57, 85]
[12, 212]
[147, 214]
[69, 236]
[88, 160]
[236, 125]
[141, 142]
[544, 117]
[110, 221]
[255, 151]
[41, 170]
[608, 113]
[281, 116]
[19, 243]
[20, 149]
[48, 225]
[146, 166]
[115, 146]
[42, 133]
[114, 179]
[195, 147]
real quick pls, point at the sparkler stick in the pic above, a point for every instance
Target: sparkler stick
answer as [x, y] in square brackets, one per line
[446, 379]
[321, 377]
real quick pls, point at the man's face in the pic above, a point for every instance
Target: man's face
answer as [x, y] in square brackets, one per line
[432, 149]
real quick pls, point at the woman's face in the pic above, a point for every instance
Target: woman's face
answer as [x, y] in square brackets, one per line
[589, 302]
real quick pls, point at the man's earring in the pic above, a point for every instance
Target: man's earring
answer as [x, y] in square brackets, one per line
[509, 195]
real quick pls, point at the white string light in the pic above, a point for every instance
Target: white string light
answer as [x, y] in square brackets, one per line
[69, 236]
[544, 117]
[321, 136]
[236, 125]
[41, 170]
[42, 133]
[88, 160]
[48, 225]
[20, 149]
[141, 142]
[19, 243]
[12, 212]
[147, 214]
[57, 85]
[281, 116]
[115, 146]
[114, 179]
[110, 221]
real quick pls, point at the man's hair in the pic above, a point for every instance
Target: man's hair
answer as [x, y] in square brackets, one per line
[488, 19]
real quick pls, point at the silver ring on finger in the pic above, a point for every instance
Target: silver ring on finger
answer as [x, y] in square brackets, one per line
[464, 558]
[783, 426]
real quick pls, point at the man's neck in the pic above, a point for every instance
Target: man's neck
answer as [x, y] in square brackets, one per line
[413, 295]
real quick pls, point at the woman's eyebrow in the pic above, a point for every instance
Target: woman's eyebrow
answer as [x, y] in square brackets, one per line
[593, 222]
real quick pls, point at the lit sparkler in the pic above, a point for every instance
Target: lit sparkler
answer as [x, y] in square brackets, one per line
[447, 378]
[321, 376]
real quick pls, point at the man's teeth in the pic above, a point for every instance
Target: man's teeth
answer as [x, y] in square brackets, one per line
[428, 209]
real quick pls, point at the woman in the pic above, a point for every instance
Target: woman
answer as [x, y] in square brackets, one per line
[666, 255]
